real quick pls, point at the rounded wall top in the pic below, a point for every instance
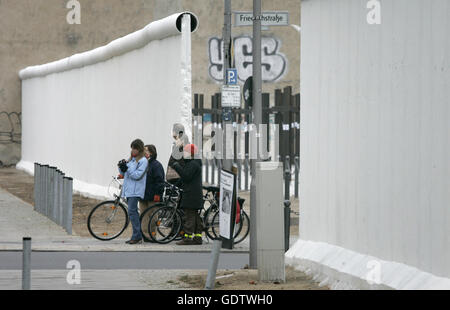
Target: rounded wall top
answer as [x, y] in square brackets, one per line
[157, 30]
[194, 21]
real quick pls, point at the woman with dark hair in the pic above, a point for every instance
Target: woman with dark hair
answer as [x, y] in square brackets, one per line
[134, 171]
[154, 187]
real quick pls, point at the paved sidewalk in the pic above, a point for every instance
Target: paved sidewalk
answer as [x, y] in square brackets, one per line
[18, 220]
[98, 280]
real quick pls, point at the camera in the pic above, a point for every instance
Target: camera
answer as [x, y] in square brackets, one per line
[122, 165]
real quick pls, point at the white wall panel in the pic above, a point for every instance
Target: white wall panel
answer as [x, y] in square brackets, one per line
[82, 113]
[375, 130]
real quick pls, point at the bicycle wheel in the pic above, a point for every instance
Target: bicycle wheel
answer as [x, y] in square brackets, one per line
[107, 220]
[208, 223]
[244, 230]
[241, 229]
[164, 225]
[145, 218]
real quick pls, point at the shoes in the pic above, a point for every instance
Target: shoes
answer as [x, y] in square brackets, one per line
[185, 241]
[197, 240]
[134, 241]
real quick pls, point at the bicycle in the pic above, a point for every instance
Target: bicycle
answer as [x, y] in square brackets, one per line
[166, 222]
[109, 219]
[211, 216]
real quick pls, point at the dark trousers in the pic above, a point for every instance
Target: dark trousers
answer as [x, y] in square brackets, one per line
[193, 225]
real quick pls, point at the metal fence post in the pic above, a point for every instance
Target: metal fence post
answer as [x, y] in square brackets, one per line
[287, 177]
[45, 190]
[56, 198]
[297, 174]
[246, 164]
[287, 224]
[52, 191]
[207, 170]
[41, 188]
[211, 278]
[26, 263]
[213, 171]
[219, 169]
[60, 198]
[67, 204]
[36, 186]
[239, 164]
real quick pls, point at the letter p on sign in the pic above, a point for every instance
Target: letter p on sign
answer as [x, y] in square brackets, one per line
[231, 77]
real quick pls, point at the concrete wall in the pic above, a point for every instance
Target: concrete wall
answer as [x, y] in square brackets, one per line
[375, 145]
[81, 113]
[36, 32]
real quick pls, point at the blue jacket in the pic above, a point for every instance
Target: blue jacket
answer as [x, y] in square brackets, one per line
[134, 178]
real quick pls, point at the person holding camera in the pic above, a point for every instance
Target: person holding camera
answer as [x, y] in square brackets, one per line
[134, 171]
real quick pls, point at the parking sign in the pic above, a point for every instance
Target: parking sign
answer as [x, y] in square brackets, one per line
[231, 77]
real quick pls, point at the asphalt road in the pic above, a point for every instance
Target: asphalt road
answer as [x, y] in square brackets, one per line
[122, 260]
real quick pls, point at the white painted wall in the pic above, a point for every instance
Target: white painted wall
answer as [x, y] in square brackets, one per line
[82, 113]
[375, 148]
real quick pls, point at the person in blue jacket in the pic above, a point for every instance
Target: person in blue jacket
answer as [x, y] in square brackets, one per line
[135, 172]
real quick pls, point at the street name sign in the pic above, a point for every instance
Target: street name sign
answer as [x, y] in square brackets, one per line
[278, 18]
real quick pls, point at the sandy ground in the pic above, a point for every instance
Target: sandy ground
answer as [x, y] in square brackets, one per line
[246, 279]
[21, 185]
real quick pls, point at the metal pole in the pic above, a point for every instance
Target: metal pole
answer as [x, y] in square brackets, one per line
[57, 175]
[60, 198]
[52, 191]
[211, 278]
[257, 118]
[26, 262]
[45, 195]
[287, 224]
[226, 163]
[55, 196]
[287, 177]
[41, 189]
[68, 191]
[35, 186]
[297, 171]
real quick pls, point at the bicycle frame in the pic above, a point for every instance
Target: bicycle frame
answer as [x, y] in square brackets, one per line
[117, 199]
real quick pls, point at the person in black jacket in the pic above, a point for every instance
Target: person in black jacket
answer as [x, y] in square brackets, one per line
[192, 199]
[180, 141]
[154, 187]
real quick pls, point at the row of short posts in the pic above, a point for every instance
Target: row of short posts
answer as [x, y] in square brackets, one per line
[53, 195]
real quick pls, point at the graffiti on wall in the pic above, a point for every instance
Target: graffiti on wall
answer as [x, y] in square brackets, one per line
[10, 127]
[274, 63]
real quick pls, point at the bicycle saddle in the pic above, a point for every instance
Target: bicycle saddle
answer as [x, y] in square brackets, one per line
[213, 189]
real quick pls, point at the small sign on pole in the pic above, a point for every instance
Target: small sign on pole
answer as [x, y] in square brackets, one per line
[231, 96]
[227, 208]
[232, 77]
[277, 18]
